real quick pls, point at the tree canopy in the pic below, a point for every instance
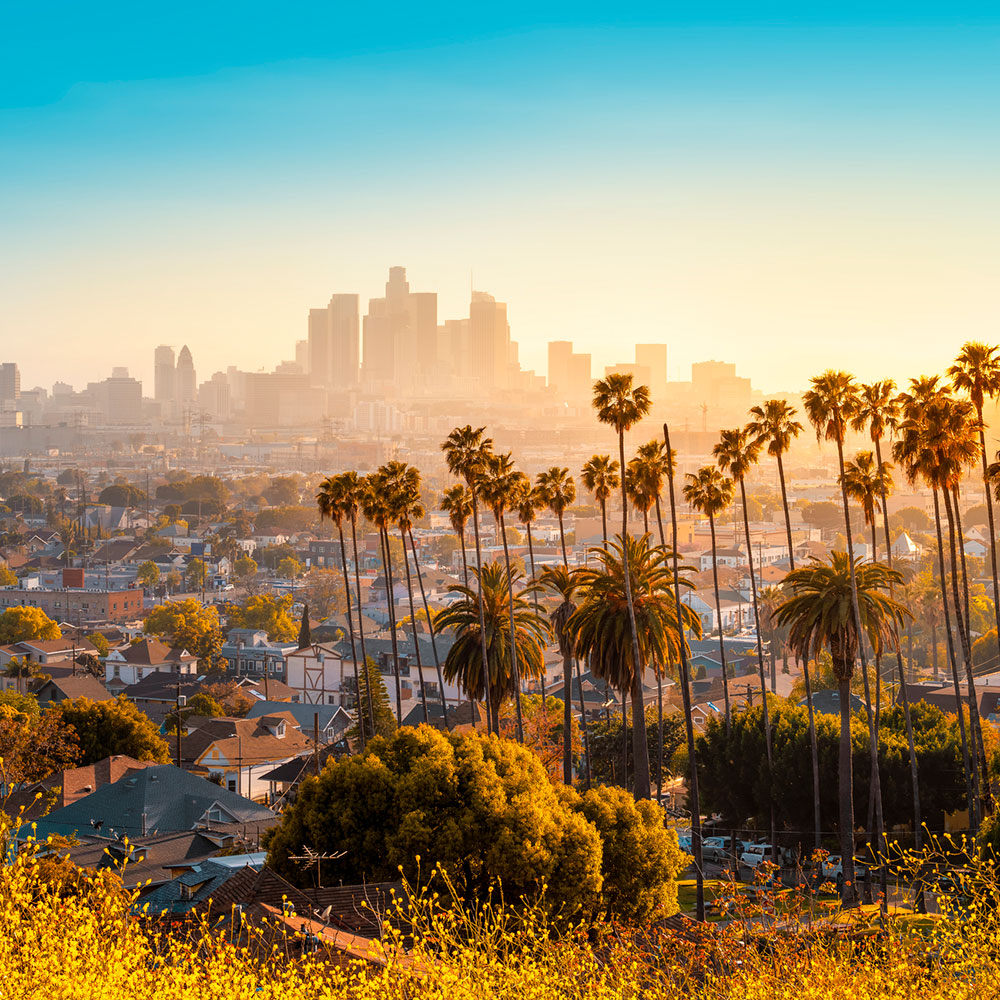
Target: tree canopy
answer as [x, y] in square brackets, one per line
[25, 622]
[187, 624]
[107, 728]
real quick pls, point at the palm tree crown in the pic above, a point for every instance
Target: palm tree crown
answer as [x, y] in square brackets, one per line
[737, 452]
[865, 481]
[877, 409]
[774, 423]
[709, 491]
[466, 450]
[619, 403]
[976, 371]
[831, 403]
[456, 502]
[600, 477]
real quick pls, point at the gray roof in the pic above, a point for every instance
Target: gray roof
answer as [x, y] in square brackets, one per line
[186, 891]
[828, 702]
[329, 715]
[374, 647]
[168, 797]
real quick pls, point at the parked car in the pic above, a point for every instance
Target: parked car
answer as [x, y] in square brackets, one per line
[755, 854]
[833, 867]
[715, 849]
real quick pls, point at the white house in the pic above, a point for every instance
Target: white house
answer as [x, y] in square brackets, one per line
[130, 664]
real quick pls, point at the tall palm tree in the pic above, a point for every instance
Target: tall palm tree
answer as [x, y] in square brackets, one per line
[332, 500]
[737, 453]
[564, 583]
[353, 490]
[621, 405]
[600, 476]
[936, 439]
[466, 451]
[557, 488]
[878, 411]
[529, 504]
[830, 405]
[774, 423]
[377, 506]
[481, 620]
[457, 504]
[684, 679]
[501, 489]
[654, 465]
[976, 371]
[823, 610]
[709, 492]
[639, 493]
[865, 481]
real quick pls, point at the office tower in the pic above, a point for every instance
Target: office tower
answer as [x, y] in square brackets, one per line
[163, 374]
[214, 397]
[569, 372]
[302, 354]
[10, 382]
[641, 375]
[489, 341]
[716, 384]
[319, 347]
[654, 357]
[424, 312]
[186, 383]
[390, 348]
[119, 398]
[344, 312]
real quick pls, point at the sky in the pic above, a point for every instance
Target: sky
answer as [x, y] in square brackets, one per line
[787, 186]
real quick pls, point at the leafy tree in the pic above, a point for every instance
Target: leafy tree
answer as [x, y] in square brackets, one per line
[481, 808]
[148, 574]
[543, 731]
[33, 744]
[290, 568]
[244, 569]
[286, 519]
[25, 622]
[100, 643]
[324, 590]
[235, 702]
[121, 495]
[196, 573]
[640, 858]
[283, 491]
[7, 577]
[267, 613]
[68, 477]
[200, 704]
[914, 519]
[385, 720]
[189, 625]
[107, 728]
[605, 735]
[822, 514]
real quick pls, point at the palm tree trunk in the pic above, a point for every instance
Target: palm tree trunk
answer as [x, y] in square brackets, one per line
[934, 650]
[640, 750]
[387, 565]
[361, 631]
[846, 774]
[979, 762]
[684, 678]
[583, 725]
[659, 734]
[872, 739]
[718, 615]
[970, 798]
[961, 549]
[515, 674]
[413, 629]
[531, 549]
[760, 665]
[567, 718]
[604, 536]
[992, 524]
[465, 561]
[350, 628]
[432, 630]
[625, 736]
[814, 750]
[492, 717]
[562, 540]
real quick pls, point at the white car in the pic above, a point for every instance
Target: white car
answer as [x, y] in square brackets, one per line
[753, 855]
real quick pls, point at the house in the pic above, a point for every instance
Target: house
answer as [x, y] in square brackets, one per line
[731, 557]
[163, 798]
[241, 751]
[198, 885]
[327, 723]
[128, 665]
[249, 653]
[58, 689]
[905, 547]
[45, 651]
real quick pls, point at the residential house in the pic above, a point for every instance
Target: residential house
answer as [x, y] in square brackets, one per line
[81, 685]
[127, 665]
[325, 723]
[249, 653]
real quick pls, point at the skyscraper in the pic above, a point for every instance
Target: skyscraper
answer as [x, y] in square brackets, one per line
[10, 382]
[654, 357]
[390, 349]
[569, 372]
[163, 374]
[489, 341]
[186, 384]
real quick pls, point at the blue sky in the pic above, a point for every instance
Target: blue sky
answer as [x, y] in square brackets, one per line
[749, 182]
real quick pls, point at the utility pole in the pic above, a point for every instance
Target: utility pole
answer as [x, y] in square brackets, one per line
[178, 709]
[239, 764]
[316, 743]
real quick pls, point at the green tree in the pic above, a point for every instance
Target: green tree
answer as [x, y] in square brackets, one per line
[481, 808]
[266, 613]
[7, 577]
[244, 569]
[605, 734]
[25, 622]
[196, 573]
[122, 495]
[108, 728]
[148, 574]
[33, 743]
[289, 568]
[188, 625]
[378, 707]
[100, 643]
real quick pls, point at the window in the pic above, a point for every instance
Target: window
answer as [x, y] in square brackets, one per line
[231, 784]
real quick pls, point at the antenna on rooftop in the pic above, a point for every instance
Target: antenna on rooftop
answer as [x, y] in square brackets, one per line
[310, 858]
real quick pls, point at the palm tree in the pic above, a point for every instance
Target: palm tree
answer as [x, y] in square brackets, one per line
[466, 452]
[457, 504]
[530, 503]
[564, 583]
[622, 405]
[831, 404]
[501, 489]
[933, 444]
[557, 488]
[865, 481]
[823, 610]
[638, 491]
[377, 506]
[709, 492]
[977, 371]
[684, 679]
[332, 500]
[737, 453]
[600, 476]
[774, 423]
[481, 620]
[654, 465]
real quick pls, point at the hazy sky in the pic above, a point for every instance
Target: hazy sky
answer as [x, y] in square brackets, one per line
[741, 183]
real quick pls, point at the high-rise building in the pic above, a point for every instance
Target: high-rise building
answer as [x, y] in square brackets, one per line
[214, 397]
[118, 399]
[344, 313]
[163, 374]
[654, 357]
[569, 372]
[10, 382]
[489, 341]
[390, 348]
[641, 375]
[302, 354]
[716, 384]
[186, 381]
